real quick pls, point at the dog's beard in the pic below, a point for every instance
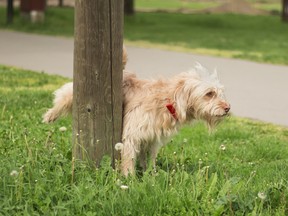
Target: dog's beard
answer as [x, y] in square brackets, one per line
[211, 115]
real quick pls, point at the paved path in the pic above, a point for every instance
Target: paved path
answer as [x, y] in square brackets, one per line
[257, 91]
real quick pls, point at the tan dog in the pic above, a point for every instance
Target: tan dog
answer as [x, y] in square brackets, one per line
[155, 110]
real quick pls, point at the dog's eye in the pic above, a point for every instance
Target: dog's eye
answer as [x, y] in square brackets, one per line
[210, 94]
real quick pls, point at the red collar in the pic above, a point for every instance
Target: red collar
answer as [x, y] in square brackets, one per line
[172, 110]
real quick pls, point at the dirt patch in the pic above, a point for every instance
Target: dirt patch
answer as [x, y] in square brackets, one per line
[237, 7]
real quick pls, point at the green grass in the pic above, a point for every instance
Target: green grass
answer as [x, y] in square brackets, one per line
[256, 38]
[173, 4]
[194, 176]
[198, 5]
[59, 22]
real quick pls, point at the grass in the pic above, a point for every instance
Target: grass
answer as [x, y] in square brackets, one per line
[241, 169]
[256, 38]
[173, 4]
[198, 5]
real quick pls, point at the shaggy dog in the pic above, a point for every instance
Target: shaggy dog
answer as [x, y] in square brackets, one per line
[153, 110]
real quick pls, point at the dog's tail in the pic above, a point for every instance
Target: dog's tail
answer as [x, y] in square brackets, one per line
[64, 98]
[62, 103]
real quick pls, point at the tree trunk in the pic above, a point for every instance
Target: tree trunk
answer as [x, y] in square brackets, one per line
[97, 93]
[129, 7]
[60, 3]
[10, 11]
[285, 10]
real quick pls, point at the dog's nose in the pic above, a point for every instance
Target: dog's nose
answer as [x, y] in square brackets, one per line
[227, 108]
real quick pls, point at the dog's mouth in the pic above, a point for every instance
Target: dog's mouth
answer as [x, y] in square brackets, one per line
[223, 115]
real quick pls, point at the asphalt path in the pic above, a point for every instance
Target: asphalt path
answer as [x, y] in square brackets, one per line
[257, 91]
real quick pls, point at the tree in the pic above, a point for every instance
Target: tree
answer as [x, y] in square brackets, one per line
[60, 3]
[97, 93]
[129, 7]
[285, 10]
[10, 11]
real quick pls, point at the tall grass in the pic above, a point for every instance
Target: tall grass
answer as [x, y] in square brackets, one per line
[240, 169]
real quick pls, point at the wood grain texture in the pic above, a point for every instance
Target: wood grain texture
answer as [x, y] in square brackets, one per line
[97, 102]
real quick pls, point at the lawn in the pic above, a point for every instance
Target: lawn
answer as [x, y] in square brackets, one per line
[240, 169]
[269, 5]
[173, 4]
[256, 38]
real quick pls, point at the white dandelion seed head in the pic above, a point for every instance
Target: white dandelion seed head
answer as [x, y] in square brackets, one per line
[119, 146]
[14, 173]
[118, 182]
[62, 129]
[262, 195]
[253, 172]
[124, 187]
[222, 147]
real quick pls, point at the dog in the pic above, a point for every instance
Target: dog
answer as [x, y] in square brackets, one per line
[154, 110]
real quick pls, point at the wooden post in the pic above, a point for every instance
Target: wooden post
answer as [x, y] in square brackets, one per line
[97, 93]
[285, 10]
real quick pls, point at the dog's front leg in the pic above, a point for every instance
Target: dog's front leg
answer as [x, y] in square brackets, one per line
[128, 158]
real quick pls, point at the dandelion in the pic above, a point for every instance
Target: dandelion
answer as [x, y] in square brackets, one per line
[253, 173]
[14, 173]
[262, 195]
[118, 182]
[124, 187]
[62, 129]
[119, 146]
[222, 147]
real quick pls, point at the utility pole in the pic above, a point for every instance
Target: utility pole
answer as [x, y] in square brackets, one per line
[97, 93]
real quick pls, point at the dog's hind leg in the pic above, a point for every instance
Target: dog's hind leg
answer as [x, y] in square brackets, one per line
[62, 103]
[128, 158]
[154, 149]
[143, 158]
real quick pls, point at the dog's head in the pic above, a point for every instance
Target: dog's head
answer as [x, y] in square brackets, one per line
[202, 96]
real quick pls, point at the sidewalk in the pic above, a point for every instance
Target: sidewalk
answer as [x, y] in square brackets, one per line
[257, 91]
